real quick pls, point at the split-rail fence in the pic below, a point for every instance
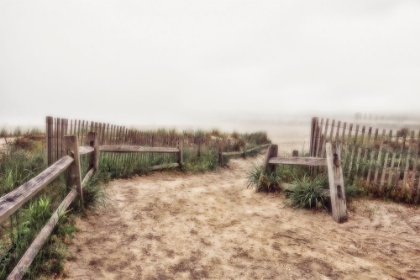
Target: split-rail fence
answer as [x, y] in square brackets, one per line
[70, 161]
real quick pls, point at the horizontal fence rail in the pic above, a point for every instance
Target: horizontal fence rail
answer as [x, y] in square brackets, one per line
[117, 140]
[12, 201]
[64, 141]
[385, 159]
[242, 153]
[136, 149]
[335, 174]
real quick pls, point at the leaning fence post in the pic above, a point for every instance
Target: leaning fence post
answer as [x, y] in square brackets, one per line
[336, 181]
[313, 138]
[92, 140]
[272, 151]
[71, 147]
[48, 133]
[180, 155]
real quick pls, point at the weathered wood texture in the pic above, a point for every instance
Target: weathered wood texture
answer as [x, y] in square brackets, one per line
[386, 159]
[336, 181]
[74, 177]
[83, 150]
[93, 142]
[19, 271]
[136, 149]
[308, 161]
[10, 202]
[272, 152]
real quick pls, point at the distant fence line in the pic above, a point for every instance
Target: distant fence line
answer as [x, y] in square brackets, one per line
[109, 134]
[385, 159]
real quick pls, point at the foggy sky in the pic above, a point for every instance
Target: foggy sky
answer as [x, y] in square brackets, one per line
[169, 62]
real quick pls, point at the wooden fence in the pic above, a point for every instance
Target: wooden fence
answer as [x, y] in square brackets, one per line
[64, 150]
[70, 153]
[109, 134]
[380, 158]
[335, 174]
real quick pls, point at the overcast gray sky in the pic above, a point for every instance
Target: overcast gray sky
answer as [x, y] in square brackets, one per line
[169, 62]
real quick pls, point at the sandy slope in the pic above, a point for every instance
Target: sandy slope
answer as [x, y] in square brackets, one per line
[169, 225]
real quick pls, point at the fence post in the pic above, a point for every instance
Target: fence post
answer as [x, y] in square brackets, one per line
[272, 151]
[92, 140]
[220, 155]
[180, 155]
[49, 124]
[71, 147]
[336, 181]
[312, 144]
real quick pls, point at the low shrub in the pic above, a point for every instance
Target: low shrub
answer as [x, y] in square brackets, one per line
[263, 181]
[308, 192]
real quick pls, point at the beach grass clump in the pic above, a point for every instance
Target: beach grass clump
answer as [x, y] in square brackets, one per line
[207, 161]
[263, 181]
[308, 192]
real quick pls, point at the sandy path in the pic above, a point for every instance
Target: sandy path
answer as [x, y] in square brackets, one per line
[169, 225]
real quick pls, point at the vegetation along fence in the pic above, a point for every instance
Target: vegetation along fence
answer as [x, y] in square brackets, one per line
[382, 160]
[70, 161]
[192, 142]
[76, 146]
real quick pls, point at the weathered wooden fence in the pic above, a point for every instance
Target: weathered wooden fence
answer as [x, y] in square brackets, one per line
[70, 161]
[70, 153]
[335, 174]
[109, 134]
[381, 158]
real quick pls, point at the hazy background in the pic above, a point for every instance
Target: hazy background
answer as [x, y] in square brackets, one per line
[206, 62]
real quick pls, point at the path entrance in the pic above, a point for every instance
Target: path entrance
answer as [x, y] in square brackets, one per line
[169, 225]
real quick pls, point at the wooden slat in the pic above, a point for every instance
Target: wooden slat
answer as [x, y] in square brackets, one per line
[337, 133]
[378, 160]
[319, 148]
[416, 153]
[343, 136]
[391, 169]
[315, 141]
[366, 151]
[10, 202]
[136, 149]
[312, 142]
[324, 138]
[58, 139]
[407, 162]
[332, 130]
[359, 150]
[353, 148]
[308, 161]
[49, 135]
[372, 155]
[385, 169]
[78, 129]
[85, 150]
[336, 182]
[399, 167]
